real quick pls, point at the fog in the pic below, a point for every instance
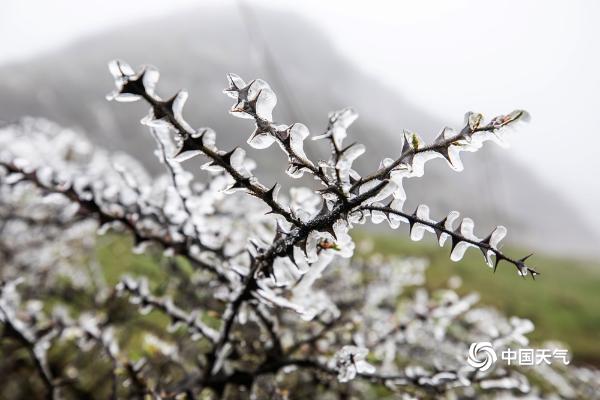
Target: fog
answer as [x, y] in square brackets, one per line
[445, 57]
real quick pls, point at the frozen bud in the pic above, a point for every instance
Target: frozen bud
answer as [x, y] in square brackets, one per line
[473, 120]
[504, 120]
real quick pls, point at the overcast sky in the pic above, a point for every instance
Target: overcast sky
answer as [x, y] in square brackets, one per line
[447, 57]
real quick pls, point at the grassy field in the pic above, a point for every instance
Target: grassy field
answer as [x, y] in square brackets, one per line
[563, 301]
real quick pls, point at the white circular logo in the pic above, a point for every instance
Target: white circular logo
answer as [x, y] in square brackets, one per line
[481, 356]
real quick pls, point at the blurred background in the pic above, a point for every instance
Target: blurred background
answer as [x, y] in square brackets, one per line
[401, 65]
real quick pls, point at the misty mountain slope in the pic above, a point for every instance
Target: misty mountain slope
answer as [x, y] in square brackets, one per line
[194, 51]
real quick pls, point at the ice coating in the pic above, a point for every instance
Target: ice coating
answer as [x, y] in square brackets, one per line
[297, 133]
[466, 229]
[265, 103]
[350, 361]
[418, 230]
[261, 139]
[348, 156]
[270, 262]
[339, 122]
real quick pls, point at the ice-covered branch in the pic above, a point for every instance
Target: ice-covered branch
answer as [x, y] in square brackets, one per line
[140, 295]
[89, 206]
[279, 304]
[461, 237]
[132, 86]
[36, 343]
